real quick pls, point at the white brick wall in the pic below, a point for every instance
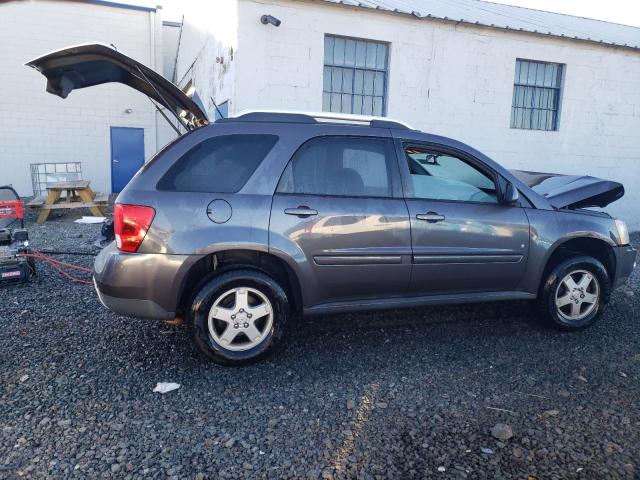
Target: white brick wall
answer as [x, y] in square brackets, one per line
[36, 126]
[457, 81]
[207, 51]
[170, 40]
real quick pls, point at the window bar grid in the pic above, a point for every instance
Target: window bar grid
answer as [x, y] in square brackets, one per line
[359, 101]
[536, 95]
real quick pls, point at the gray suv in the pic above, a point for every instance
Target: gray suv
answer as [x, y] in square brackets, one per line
[240, 224]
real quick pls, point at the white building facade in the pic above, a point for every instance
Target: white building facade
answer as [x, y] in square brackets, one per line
[579, 113]
[77, 132]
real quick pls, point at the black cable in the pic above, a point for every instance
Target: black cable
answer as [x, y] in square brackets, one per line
[54, 252]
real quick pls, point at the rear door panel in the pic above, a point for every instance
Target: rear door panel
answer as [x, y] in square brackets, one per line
[354, 248]
[356, 243]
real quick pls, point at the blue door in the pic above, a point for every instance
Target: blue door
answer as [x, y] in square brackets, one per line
[127, 155]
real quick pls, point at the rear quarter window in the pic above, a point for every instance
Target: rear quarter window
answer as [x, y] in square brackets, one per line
[220, 164]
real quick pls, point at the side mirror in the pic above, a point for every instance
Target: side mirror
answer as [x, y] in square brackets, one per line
[510, 195]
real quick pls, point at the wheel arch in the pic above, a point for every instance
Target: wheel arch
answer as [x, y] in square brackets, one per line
[221, 261]
[597, 248]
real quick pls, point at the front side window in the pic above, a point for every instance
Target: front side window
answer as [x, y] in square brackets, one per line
[536, 95]
[219, 164]
[355, 76]
[340, 166]
[440, 176]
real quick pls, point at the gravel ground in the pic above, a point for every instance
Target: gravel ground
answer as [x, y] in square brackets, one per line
[399, 394]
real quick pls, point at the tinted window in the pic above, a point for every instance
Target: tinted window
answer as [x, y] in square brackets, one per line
[220, 164]
[353, 167]
[440, 176]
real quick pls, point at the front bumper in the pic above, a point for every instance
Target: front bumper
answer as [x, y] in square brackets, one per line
[625, 263]
[146, 285]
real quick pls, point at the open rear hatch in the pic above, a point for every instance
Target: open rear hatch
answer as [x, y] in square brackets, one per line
[572, 191]
[96, 63]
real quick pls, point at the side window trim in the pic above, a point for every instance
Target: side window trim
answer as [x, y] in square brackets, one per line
[391, 163]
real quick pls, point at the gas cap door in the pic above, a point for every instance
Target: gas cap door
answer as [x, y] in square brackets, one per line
[219, 211]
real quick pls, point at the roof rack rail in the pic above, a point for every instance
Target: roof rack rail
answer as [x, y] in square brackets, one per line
[284, 116]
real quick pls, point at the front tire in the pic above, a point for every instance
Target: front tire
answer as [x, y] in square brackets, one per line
[575, 293]
[238, 317]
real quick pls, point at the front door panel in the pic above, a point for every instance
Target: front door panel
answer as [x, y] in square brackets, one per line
[352, 248]
[466, 247]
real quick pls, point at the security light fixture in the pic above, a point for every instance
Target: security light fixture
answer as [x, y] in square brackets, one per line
[266, 19]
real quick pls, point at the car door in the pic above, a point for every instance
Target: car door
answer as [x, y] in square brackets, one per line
[463, 238]
[338, 210]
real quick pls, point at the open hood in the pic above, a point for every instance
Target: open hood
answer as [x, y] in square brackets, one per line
[96, 63]
[572, 191]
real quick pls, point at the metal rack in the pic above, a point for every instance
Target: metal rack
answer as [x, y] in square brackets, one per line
[314, 117]
[44, 174]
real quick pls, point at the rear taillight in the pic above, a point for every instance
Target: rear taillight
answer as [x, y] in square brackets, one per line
[130, 225]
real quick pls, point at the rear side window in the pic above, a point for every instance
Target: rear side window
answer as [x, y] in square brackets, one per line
[218, 165]
[340, 166]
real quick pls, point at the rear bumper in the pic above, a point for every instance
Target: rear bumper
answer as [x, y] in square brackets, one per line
[625, 263]
[134, 307]
[146, 285]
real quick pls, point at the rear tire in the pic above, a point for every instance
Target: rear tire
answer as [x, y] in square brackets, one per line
[238, 317]
[575, 293]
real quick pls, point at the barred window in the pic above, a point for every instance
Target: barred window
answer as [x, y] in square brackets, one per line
[355, 76]
[536, 95]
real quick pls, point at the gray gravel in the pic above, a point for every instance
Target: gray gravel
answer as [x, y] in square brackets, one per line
[399, 394]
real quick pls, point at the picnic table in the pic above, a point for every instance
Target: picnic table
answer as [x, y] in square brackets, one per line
[78, 195]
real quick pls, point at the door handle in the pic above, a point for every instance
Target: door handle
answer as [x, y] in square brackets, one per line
[116, 160]
[431, 217]
[301, 211]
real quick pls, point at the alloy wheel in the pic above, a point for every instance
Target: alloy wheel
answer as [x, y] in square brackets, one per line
[240, 319]
[577, 295]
